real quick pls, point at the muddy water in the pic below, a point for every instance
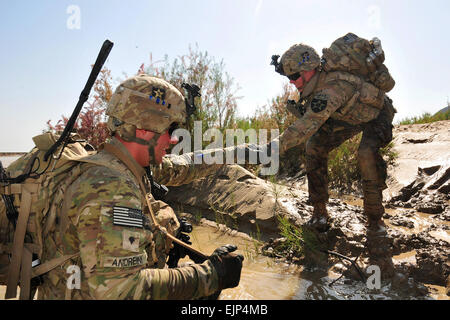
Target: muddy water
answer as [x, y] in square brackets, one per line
[262, 277]
[267, 279]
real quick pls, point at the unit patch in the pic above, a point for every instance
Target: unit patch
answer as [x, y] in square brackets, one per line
[319, 103]
[304, 58]
[159, 95]
[125, 262]
[129, 217]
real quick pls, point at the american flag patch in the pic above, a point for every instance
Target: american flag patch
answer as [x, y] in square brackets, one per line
[128, 217]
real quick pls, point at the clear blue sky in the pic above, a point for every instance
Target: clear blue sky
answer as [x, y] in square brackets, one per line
[45, 64]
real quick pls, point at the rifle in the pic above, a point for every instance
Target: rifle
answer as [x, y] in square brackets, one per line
[158, 190]
[101, 58]
[178, 252]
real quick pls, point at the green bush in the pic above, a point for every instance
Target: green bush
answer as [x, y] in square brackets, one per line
[298, 239]
[426, 117]
[343, 169]
[343, 164]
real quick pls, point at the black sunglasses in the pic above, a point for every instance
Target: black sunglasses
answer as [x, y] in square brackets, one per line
[174, 126]
[294, 76]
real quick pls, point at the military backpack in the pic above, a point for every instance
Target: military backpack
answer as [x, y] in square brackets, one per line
[360, 57]
[35, 202]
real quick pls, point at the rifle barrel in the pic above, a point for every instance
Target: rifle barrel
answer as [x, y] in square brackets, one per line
[101, 58]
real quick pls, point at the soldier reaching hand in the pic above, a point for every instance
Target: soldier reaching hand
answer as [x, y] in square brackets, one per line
[104, 216]
[333, 107]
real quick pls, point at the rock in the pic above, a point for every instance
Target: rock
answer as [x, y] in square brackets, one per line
[430, 207]
[402, 221]
[399, 281]
[432, 265]
[430, 170]
[425, 192]
[445, 188]
[432, 151]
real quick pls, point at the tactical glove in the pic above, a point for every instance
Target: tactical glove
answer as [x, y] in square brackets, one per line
[228, 266]
[296, 108]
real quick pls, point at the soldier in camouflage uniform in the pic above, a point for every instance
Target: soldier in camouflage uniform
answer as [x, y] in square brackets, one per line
[333, 107]
[104, 216]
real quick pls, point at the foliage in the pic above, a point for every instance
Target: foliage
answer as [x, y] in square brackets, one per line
[298, 239]
[343, 169]
[274, 115]
[218, 104]
[426, 117]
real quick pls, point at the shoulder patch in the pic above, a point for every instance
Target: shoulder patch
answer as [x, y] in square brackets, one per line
[319, 102]
[128, 217]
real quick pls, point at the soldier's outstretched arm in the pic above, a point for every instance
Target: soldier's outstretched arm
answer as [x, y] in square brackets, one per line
[176, 170]
[323, 104]
[116, 244]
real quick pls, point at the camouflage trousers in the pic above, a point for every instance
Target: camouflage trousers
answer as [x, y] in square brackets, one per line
[376, 134]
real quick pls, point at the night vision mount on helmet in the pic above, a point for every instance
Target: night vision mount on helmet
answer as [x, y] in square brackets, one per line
[297, 58]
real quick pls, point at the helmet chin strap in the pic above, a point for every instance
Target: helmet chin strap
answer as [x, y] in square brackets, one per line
[151, 147]
[127, 136]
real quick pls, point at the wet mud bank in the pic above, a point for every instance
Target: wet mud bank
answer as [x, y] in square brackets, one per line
[419, 242]
[279, 277]
[417, 217]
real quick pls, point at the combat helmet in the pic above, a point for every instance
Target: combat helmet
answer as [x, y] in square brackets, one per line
[299, 57]
[145, 102]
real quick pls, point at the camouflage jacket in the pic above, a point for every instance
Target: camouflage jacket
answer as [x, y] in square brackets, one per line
[337, 95]
[104, 217]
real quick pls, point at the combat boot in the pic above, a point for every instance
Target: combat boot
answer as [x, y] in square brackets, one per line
[379, 247]
[377, 226]
[320, 218]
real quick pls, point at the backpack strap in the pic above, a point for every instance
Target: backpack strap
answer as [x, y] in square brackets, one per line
[19, 236]
[51, 264]
[25, 274]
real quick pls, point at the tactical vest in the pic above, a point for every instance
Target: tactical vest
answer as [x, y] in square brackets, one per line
[364, 105]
